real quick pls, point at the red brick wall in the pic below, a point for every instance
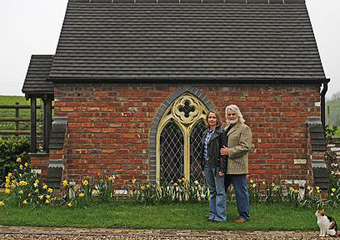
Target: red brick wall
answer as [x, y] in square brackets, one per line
[109, 125]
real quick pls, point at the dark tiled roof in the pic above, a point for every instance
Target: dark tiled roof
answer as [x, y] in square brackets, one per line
[59, 127]
[37, 74]
[103, 39]
[317, 134]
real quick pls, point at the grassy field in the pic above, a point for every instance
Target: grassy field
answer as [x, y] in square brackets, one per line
[11, 100]
[174, 216]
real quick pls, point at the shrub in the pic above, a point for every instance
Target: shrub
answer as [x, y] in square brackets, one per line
[10, 150]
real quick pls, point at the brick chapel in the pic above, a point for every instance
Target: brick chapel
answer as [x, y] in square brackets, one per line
[131, 81]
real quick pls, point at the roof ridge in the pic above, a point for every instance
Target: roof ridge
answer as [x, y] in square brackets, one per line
[194, 1]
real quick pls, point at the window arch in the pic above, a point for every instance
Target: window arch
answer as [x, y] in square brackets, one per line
[178, 139]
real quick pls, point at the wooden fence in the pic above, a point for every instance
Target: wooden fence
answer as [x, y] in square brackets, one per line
[17, 119]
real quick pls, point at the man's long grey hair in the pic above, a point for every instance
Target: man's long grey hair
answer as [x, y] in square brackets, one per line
[238, 112]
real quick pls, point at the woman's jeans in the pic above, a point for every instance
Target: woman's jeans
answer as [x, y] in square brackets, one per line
[239, 182]
[217, 197]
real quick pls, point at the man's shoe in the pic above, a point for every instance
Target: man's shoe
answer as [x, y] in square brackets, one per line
[240, 220]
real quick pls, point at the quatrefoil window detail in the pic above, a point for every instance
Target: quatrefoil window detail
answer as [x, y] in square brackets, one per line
[187, 109]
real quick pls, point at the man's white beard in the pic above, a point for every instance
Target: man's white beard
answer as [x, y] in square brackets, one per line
[233, 121]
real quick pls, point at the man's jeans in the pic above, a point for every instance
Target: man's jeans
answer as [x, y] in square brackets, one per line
[242, 197]
[217, 196]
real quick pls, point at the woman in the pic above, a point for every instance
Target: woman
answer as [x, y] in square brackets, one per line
[214, 166]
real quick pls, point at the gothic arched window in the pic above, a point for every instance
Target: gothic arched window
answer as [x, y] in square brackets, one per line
[178, 141]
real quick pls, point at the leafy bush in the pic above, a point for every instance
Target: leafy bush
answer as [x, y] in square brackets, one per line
[10, 150]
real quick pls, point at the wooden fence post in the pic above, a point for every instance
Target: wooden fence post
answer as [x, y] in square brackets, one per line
[17, 116]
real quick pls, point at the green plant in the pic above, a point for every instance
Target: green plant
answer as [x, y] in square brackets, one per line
[10, 150]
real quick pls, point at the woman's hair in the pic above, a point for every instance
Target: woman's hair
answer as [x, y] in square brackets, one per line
[238, 112]
[218, 117]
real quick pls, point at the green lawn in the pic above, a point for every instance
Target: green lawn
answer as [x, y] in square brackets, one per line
[171, 216]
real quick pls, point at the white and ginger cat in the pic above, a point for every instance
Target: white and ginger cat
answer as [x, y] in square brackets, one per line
[326, 224]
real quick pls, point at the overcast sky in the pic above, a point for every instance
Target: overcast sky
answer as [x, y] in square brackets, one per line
[33, 26]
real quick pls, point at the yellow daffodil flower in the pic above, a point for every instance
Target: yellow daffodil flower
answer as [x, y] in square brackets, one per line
[2, 203]
[21, 192]
[95, 192]
[291, 189]
[7, 191]
[23, 183]
[85, 183]
[317, 188]
[65, 183]
[25, 202]
[9, 175]
[81, 195]
[18, 159]
[21, 167]
[254, 185]
[41, 197]
[45, 186]
[263, 183]
[26, 164]
[50, 190]
[47, 201]
[142, 188]
[332, 194]
[333, 189]
[48, 196]
[69, 204]
[133, 181]
[36, 190]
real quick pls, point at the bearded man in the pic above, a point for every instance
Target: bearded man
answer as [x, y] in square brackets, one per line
[239, 142]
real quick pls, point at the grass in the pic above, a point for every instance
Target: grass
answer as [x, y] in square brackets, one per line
[7, 112]
[166, 216]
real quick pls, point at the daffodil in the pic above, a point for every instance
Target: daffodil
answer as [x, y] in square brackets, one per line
[2, 203]
[18, 159]
[50, 190]
[69, 204]
[291, 189]
[85, 183]
[26, 164]
[95, 192]
[47, 201]
[45, 186]
[21, 167]
[21, 192]
[196, 182]
[41, 197]
[81, 195]
[142, 188]
[263, 183]
[7, 191]
[254, 185]
[48, 196]
[133, 181]
[25, 202]
[9, 175]
[317, 188]
[332, 194]
[273, 184]
[65, 183]
[23, 183]
[296, 191]
[36, 190]
[251, 181]
[111, 178]
[333, 189]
